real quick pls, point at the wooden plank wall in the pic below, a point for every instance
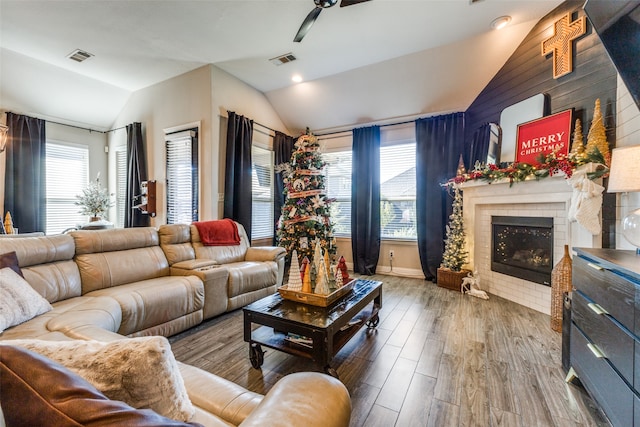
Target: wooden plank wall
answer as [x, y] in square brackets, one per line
[528, 73]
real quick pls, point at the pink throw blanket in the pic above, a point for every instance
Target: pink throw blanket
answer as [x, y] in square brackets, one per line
[223, 232]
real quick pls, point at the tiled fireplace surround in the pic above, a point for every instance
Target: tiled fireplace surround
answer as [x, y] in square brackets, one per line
[548, 197]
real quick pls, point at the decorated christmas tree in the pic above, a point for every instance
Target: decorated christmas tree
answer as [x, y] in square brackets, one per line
[305, 214]
[455, 255]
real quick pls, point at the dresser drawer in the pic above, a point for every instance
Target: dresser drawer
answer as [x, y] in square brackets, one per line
[613, 293]
[615, 344]
[612, 394]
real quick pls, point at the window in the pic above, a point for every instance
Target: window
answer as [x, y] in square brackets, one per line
[398, 191]
[262, 223]
[182, 177]
[121, 185]
[67, 174]
[338, 186]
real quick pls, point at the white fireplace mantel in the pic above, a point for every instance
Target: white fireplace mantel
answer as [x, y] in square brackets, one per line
[547, 197]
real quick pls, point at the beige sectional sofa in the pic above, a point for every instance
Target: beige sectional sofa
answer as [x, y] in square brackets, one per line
[105, 285]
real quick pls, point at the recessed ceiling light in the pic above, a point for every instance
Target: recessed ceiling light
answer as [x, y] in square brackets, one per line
[296, 78]
[500, 23]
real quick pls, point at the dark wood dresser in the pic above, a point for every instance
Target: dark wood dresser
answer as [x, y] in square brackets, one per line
[605, 331]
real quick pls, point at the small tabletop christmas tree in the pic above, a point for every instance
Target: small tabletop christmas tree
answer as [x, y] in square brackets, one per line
[455, 255]
[597, 137]
[305, 214]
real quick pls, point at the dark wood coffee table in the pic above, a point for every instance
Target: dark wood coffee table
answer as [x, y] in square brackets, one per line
[327, 329]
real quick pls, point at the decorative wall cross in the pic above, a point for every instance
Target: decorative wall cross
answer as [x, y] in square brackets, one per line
[561, 43]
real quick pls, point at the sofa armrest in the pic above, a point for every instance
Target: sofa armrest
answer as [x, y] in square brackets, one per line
[309, 399]
[264, 253]
[214, 278]
[195, 264]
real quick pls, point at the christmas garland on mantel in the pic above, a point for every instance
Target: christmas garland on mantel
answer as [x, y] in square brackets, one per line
[548, 165]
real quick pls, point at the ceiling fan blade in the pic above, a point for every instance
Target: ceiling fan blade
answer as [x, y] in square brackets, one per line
[344, 3]
[307, 23]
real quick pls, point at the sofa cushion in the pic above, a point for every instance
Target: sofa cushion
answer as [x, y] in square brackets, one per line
[152, 302]
[10, 259]
[19, 302]
[70, 319]
[114, 257]
[47, 264]
[248, 276]
[139, 371]
[175, 241]
[33, 389]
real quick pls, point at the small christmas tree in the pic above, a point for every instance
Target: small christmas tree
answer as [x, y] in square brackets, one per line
[94, 200]
[597, 137]
[304, 219]
[455, 255]
[577, 146]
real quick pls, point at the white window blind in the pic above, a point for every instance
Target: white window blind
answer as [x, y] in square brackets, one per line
[67, 174]
[262, 223]
[121, 185]
[182, 177]
[398, 191]
[338, 186]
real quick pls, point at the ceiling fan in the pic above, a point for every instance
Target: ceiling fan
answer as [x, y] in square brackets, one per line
[313, 15]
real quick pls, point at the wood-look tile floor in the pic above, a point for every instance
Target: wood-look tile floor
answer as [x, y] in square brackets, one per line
[437, 358]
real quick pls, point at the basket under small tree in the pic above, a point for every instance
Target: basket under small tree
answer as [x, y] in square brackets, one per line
[455, 255]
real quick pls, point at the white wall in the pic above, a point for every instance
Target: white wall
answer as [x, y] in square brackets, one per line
[627, 134]
[181, 100]
[32, 87]
[203, 95]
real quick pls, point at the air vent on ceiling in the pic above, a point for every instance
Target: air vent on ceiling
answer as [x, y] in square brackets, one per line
[79, 55]
[283, 59]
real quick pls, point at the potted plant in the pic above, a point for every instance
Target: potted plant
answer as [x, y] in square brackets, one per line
[451, 273]
[94, 200]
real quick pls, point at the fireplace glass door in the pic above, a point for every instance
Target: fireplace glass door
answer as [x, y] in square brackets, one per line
[523, 247]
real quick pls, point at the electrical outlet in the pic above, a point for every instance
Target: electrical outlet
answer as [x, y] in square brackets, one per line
[391, 254]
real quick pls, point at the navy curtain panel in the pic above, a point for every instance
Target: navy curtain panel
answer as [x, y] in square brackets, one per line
[25, 188]
[439, 143]
[365, 200]
[136, 173]
[283, 148]
[237, 184]
[478, 147]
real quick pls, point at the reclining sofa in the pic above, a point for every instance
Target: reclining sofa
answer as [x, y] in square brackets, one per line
[105, 285]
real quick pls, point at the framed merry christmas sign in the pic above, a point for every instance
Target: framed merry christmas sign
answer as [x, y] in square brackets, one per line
[543, 136]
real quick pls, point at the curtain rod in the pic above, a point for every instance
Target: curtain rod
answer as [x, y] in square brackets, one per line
[351, 130]
[83, 128]
[71, 126]
[256, 123]
[261, 125]
[406, 120]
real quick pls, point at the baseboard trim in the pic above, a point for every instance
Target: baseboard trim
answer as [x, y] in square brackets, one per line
[400, 272]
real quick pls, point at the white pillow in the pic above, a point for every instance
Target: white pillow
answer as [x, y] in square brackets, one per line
[19, 302]
[141, 372]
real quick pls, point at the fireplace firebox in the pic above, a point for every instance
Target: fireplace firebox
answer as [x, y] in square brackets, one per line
[523, 247]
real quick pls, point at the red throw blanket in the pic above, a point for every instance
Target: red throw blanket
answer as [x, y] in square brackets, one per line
[223, 232]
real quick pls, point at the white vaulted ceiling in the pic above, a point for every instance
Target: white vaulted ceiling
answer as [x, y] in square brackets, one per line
[367, 62]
